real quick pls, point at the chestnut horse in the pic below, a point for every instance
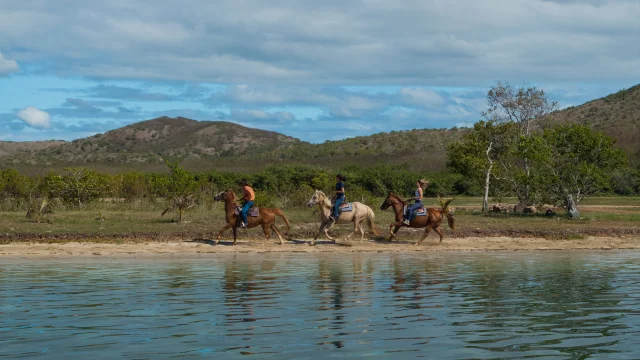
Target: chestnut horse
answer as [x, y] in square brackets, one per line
[266, 218]
[432, 219]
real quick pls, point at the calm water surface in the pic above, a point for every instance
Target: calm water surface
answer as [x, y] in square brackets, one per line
[572, 305]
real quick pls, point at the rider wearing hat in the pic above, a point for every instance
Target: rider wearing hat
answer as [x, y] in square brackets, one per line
[417, 198]
[248, 197]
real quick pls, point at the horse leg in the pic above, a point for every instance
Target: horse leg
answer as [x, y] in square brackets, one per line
[392, 233]
[439, 231]
[235, 235]
[326, 233]
[356, 225]
[265, 229]
[361, 232]
[426, 233]
[326, 230]
[221, 231]
[315, 237]
[275, 230]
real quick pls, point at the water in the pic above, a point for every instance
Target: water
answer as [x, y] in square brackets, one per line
[572, 305]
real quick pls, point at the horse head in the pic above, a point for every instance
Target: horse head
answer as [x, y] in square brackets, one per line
[315, 199]
[225, 196]
[390, 201]
[387, 202]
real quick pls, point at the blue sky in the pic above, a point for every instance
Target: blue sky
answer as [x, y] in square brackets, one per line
[315, 70]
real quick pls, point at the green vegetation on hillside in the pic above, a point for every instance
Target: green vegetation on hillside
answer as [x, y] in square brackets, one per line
[617, 115]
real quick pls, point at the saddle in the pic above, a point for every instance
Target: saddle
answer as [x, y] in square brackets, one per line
[419, 212]
[253, 212]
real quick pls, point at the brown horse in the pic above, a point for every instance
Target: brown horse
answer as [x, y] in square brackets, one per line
[432, 219]
[266, 218]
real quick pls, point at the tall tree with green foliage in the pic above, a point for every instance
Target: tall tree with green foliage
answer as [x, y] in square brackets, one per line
[479, 151]
[181, 187]
[571, 162]
[525, 107]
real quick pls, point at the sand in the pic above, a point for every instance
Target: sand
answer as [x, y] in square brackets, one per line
[205, 247]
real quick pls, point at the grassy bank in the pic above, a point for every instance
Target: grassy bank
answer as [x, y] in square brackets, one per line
[116, 221]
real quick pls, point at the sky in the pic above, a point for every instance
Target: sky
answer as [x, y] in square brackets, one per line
[315, 70]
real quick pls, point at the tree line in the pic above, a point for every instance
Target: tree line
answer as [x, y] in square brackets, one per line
[283, 185]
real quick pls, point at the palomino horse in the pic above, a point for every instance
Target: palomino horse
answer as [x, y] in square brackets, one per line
[431, 220]
[356, 216]
[266, 217]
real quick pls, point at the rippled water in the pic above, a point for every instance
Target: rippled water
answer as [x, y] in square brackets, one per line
[572, 305]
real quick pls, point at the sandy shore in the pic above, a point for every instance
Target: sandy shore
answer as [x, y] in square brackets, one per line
[173, 248]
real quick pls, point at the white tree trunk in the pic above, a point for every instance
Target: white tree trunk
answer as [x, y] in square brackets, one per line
[572, 208]
[485, 200]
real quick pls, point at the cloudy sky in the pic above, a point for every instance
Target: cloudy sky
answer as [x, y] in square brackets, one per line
[316, 70]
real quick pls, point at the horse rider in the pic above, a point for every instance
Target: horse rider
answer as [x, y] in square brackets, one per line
[340, 196]
[248, 197]
[417, 198]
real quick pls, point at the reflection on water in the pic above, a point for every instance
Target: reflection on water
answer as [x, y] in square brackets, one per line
[447, 306]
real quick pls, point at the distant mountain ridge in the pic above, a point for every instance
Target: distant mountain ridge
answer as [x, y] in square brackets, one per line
[152, 140]
[203, 145]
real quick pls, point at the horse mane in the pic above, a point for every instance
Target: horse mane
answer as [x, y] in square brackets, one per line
[325, 198]
[391, 194]
[233, 194]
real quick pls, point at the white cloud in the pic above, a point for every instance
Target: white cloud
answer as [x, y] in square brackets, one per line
[422, 97]
[311, 43]
[7, 66]
[35, 117]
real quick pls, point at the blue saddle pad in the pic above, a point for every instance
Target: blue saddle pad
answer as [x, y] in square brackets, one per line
[346, 207]
[421, 212]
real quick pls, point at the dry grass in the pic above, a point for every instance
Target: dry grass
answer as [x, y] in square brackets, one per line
[117, 221]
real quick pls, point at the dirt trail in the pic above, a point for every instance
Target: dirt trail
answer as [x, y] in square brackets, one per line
[204, 247]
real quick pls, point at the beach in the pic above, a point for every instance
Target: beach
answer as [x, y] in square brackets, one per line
[203, 247]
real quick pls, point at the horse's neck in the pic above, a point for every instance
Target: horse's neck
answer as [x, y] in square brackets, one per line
[229, 206]
[398, 207]
[324, 207]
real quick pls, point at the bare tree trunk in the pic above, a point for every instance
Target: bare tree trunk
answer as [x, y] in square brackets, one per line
[485, 200]
[572, 209]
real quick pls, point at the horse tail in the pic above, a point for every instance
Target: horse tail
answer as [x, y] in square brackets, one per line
[451, 220]
[445, 210]
[370, 217]
[279, 212]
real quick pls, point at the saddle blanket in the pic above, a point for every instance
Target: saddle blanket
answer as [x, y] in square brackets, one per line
[419, 212]
[253, 212]
[346, 207]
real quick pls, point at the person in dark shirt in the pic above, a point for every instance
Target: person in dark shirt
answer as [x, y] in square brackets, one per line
[335, 211]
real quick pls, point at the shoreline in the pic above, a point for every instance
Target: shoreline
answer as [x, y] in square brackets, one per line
[205, 247]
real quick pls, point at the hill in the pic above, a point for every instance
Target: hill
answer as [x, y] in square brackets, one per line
[147, 142]
[617, 115]
[420, 149]
[204, 145]
[10, 148]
